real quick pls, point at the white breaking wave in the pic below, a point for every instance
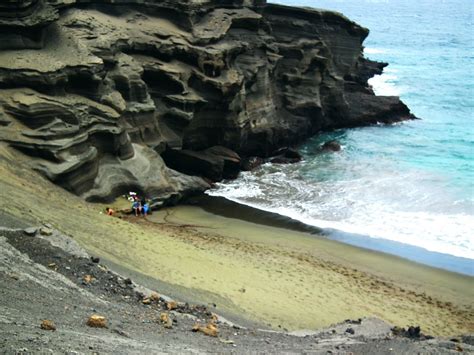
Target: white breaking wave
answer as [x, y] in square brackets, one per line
[374, 51]
[446, 234]
[384, 85]
[389, 208]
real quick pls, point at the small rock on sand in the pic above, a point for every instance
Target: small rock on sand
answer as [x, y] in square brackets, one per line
[46, 231]
[30, 231]
[87, 279]
[48, 325]
[96, 321]
[154, 297]
[171, 305]
[146, 301]
[166, 320]
[210, 329]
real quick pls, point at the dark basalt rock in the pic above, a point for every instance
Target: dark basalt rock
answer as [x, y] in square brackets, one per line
[331, 146]
[286, 156]
[289, 153]
[251, 163]
[232, 161]
[92, 91]
[366, 69]
[215, 163]
[283, 160]
[413, 332]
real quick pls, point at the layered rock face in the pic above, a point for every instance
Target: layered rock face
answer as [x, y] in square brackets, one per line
[95, 91]
[23, 23]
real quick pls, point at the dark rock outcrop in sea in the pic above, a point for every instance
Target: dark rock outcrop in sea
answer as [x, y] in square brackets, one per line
[93, 92]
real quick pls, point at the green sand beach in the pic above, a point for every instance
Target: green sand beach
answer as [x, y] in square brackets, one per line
[296, 280]
[273, 276]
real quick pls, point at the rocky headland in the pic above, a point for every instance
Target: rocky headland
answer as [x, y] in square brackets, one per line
[103, 97]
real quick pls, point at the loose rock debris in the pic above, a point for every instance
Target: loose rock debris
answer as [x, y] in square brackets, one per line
[88, 279]
[171, 305]
[96, 321]
[46, 231]
[166, 320]
[154, 297]
[210, 329]
[48, 325]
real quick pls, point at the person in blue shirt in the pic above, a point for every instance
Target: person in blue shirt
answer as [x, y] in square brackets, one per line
[145, 209]
[145, 206]
[136, 207]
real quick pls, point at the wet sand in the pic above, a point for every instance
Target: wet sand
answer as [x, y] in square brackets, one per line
[269, 275]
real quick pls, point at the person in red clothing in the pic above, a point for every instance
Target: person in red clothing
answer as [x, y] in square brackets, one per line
[109, 211]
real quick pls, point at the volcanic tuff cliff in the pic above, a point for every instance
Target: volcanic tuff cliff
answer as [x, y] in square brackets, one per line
[93, 92]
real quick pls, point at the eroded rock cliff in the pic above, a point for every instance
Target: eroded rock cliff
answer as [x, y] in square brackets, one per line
[95, 91]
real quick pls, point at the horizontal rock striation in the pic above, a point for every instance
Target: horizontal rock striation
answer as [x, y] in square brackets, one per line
[94, 91]
[23, 23]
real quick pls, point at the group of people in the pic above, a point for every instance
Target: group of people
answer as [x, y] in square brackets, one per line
[140, 206]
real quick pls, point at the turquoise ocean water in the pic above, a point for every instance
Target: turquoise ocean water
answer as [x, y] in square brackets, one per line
[406, 189]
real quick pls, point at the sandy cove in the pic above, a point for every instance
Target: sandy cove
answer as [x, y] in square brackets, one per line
[272, 276]
[294, 280]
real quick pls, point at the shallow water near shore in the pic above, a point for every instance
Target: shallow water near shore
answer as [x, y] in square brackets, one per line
[400, 187]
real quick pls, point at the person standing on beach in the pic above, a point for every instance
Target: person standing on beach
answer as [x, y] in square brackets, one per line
[136, 207]
[145, 209]
[145, 206]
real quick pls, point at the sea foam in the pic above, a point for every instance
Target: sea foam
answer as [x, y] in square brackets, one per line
[411, 207]
[374, 51]
[384, 85]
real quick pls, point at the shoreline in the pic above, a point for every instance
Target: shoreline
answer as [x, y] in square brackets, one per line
[271, 276]
[300, 263]
[222, 206]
